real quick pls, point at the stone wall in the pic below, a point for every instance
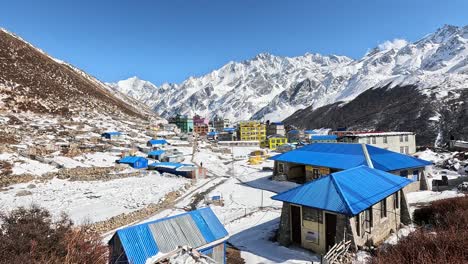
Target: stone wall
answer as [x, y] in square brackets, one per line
[284, 231]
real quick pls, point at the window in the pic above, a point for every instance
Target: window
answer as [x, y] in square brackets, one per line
[401, 138]
[406, 138]
[383, 208]
[280, 167]
[315, 173]
[368, 140]
[404, 173]
[406, 150]
[367, 221]
[385, 140]
[402, 149]
[415, 175]
[374, 140]
[396, 200]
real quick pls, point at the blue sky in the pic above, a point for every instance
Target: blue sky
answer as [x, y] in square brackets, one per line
[168, 41]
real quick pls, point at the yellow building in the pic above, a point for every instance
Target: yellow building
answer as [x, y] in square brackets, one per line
[272, 142]
[252, 131]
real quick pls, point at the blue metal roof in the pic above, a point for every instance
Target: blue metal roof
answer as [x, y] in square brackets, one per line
[294, 131]
[277, 123]
[347, 192]
[346, 155]
[156, 152]
[212, 133]
[195, 229]
[309, 132]
[323, 137]
[172, 165]
[130, 159]
[112, 133]
[157, 141]
[229, 129]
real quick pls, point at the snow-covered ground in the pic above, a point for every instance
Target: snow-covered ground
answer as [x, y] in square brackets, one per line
[92, 201]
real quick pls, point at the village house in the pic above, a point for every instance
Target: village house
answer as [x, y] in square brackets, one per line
[134, 162]
[294, 136]
[111, 135]
[362, 205]
[201, 129]
[316, 160]
[156, 154]
[316, 138]
[402, 142]
[228, 134]
[212, 135]
[198, 120]
[251, 131]
[221, 123]
[274, 141]
[156, 143]
[180, 169]
[151, 241]
[275, 128]
[184, 123]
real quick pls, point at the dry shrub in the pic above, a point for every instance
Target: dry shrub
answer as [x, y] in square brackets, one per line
[445, 240]
[29, 235]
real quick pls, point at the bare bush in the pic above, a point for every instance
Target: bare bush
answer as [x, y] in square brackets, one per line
[29, 235]
[442, 239]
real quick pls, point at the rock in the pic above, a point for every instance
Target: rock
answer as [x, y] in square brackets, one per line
[23, 193]
[31, 186]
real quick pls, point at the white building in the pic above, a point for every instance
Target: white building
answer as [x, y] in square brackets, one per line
[402, 142]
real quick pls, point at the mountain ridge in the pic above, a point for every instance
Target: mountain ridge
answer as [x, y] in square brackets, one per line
[274, 87]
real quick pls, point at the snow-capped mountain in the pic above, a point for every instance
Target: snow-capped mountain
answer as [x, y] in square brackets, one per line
[273, 87]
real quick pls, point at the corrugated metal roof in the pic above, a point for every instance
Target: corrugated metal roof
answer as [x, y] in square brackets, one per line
[157, 141]
[156, 152]
[171, 165]
[348, 155]
[138, 243]
[347, 192]
[130, 159]
[195, 229]
[323, 137]
[309, 132]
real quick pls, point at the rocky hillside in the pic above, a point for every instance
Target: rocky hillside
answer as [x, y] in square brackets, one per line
[273, 87]
[32, 81]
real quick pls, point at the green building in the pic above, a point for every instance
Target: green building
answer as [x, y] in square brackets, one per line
[184, 123]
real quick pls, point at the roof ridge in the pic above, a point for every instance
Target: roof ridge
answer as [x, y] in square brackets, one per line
[340, 192]
[367, 155]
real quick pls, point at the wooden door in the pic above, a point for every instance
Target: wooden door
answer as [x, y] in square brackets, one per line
[330, 230]
[296, 224]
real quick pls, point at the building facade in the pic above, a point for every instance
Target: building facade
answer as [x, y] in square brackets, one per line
[402, 142]
[220, 123]
[201, 129]
[276, 128]
[310, 220]
[274, 141]
[184, 123]
[198, 120]
[251, 131]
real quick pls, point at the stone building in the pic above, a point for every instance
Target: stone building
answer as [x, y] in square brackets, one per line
[402, 142]
[275, 128]
[361, 204]
[316, 160]
[220, 123]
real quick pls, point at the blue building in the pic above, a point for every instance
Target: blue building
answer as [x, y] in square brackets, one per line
[156, 154]
[314, 138]
[315, 160]
[181, 169]
[199, 229]
[111, 135]
[134, 162]
[156, 143]
[362, 205]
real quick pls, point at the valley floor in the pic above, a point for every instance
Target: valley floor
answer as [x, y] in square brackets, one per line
[248, 212]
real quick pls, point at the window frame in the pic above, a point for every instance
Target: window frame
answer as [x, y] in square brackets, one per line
[383, 208]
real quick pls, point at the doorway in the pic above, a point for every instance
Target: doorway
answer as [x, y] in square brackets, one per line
[330, 230]
[296, 224]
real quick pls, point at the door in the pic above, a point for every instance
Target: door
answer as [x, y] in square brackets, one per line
[330, 230]
[296, 224]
